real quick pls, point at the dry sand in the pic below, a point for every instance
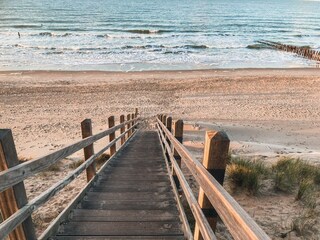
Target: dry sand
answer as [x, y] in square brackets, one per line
[266, 113]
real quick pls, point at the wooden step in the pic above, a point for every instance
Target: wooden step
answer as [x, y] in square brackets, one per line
[121, 229]
[124, 215]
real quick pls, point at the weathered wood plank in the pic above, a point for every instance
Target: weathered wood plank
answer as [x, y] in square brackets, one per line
[118, 237]
[123, 215]
[54, 225]
[112, 136]
[239, 223]
[128, 204]
[22, 171]
[134, 205]
[13, 198]
[122, 129]
[23, 213]
[86, 130]
[132, 188]
[200, 218]
[121, 228]
[134, 178]
[130, 196]
[215, 161]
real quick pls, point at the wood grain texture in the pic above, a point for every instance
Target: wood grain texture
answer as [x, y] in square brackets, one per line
[22, 171]
[112, 136]
[239, 223]
[178, 134]
[118, 238]
[215, 158]
[14, 198]
[122, 129]
[86, 130]
[121, 228]
[23, 213]
[125, 210]
[200, 218]
[63, 216]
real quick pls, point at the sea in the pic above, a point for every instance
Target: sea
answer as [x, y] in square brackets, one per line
[140, 35]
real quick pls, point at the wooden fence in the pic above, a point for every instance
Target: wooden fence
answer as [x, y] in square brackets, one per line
[301, 51]
[15, 208]
[213, 200]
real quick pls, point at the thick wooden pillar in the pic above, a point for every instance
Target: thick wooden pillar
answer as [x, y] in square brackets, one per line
[178, 134]
[112, 136]
[136, 112]
[86, 129]
[132, 117]
[128, 126]
[214, 160]
[12, 199]
[122, 130]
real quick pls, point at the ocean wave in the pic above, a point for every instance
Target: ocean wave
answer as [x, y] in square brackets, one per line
[258, 46]
[196, 46]
[50, 34]
[147, 31]
[54, 53]
[27, 26]
[103, 36]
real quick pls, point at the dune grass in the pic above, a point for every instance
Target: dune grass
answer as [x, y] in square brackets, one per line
[246, 174]
[299, 177]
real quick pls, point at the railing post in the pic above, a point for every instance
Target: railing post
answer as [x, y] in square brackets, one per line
[169, 123]
[214, 160]
[132, 117]
[128, 126]
[136, 112]
[178, 134]
[112, 136]
[164, 119]
[86, 129]
[122, 130]
[12, 199]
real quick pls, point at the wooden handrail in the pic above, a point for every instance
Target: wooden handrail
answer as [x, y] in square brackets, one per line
[18, 217]
[239, 223]
[199, 216]
[17, 174]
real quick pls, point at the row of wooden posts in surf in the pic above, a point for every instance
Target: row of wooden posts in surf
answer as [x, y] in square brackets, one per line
[301, 51]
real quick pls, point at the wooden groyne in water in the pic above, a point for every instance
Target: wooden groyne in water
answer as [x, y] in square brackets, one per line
[301, 51]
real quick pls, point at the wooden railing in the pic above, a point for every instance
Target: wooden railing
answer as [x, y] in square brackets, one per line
[15, 209]
[213, 200]
[301, 51]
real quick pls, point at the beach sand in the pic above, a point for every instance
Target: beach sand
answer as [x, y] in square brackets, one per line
[267, 114]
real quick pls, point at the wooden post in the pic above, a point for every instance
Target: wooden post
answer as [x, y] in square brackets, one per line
[122, 130]
[132, 117]
[86, 129]
[128, 126]
[214, 160]
[169, 123]
[164, 119]
[178, 134]
[112, 136]
[12, 199]
[136, 112]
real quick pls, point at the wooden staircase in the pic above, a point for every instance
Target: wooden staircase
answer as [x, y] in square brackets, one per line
[133, 198]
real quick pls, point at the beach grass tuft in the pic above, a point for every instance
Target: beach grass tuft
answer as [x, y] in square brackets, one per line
[75, 164]
[54, 168]
[246, 174]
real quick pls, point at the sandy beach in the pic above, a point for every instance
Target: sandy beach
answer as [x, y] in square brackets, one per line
[267, 114]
